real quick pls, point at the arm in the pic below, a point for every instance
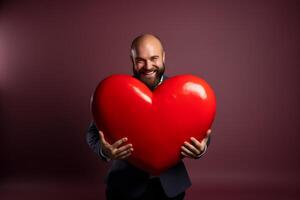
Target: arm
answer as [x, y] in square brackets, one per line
[96, 141]
[92, 139]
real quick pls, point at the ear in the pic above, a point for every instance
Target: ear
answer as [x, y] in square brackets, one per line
[163, 56]
[131, 58]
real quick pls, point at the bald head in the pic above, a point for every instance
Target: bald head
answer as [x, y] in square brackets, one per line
[148, 59]
[146, 39]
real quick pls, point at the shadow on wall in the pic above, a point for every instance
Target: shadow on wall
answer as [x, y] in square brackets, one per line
[1, 133]
[3, 120]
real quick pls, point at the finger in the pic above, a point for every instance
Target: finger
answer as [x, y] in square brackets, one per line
[192, 148]
[196, 142]
[188, 152]
[123, 148]
[203, 143]
[124, 153]
[181, 155]
[208, 132]
[185, 154]
[125, 156]
[199, 145]
[101, 137]
[119, 142]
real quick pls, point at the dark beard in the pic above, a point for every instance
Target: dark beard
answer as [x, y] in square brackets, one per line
[150, 84]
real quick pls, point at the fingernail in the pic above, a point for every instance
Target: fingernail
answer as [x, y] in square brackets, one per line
[125, 139]
[131, 149]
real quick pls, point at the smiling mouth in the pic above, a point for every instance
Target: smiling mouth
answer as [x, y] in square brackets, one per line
[149, 73]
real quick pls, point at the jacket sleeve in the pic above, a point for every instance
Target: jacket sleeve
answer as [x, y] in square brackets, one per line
[92, 139]
[208, 141]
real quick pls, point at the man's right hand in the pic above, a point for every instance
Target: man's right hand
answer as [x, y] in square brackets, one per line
[115, 151]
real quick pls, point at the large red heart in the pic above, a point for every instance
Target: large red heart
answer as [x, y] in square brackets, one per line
[156, 123]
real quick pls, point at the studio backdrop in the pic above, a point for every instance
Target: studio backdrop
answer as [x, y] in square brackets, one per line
[54, 53]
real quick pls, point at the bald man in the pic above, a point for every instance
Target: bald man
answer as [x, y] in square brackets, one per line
[125, 181]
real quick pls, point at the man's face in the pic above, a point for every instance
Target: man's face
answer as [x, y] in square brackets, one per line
[148, 63]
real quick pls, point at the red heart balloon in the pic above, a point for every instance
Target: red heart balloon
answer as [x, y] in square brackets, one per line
[156, 123]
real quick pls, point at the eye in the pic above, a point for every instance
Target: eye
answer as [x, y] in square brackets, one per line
[139, 61]
[154, 58]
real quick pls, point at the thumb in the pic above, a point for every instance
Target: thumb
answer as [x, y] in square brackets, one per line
[208, 132]
[101, 137]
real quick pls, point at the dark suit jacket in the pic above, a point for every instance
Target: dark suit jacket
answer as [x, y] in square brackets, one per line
[131, 181]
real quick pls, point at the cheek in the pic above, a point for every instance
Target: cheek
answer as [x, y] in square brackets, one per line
[158, 66]
[158, 63]
[137, 67]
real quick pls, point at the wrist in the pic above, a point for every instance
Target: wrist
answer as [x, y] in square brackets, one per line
[104, 155]
[203, 152]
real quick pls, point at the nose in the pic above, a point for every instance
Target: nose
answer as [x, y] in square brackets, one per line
[148, 65]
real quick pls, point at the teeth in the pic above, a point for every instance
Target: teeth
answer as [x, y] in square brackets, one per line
[149, 72]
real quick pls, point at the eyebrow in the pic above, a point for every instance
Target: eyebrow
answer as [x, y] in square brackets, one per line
[139, 58]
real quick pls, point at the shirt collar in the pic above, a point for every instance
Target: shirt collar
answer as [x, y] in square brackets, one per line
[160, 81]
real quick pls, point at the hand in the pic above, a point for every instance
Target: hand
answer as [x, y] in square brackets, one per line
[195, 148]
[115, 151]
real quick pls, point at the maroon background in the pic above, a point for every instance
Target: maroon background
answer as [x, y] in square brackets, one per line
[53, 53]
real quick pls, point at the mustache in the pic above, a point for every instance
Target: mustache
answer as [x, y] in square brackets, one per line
[158, 70]
[148, 70]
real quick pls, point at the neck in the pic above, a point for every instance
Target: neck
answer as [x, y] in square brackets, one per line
[151, 87]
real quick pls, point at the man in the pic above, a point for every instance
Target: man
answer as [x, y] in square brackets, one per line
[125, 181]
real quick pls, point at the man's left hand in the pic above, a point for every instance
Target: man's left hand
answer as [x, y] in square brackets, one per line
[194, 149]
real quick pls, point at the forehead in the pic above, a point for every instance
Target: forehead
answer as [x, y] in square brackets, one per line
[148, 49]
